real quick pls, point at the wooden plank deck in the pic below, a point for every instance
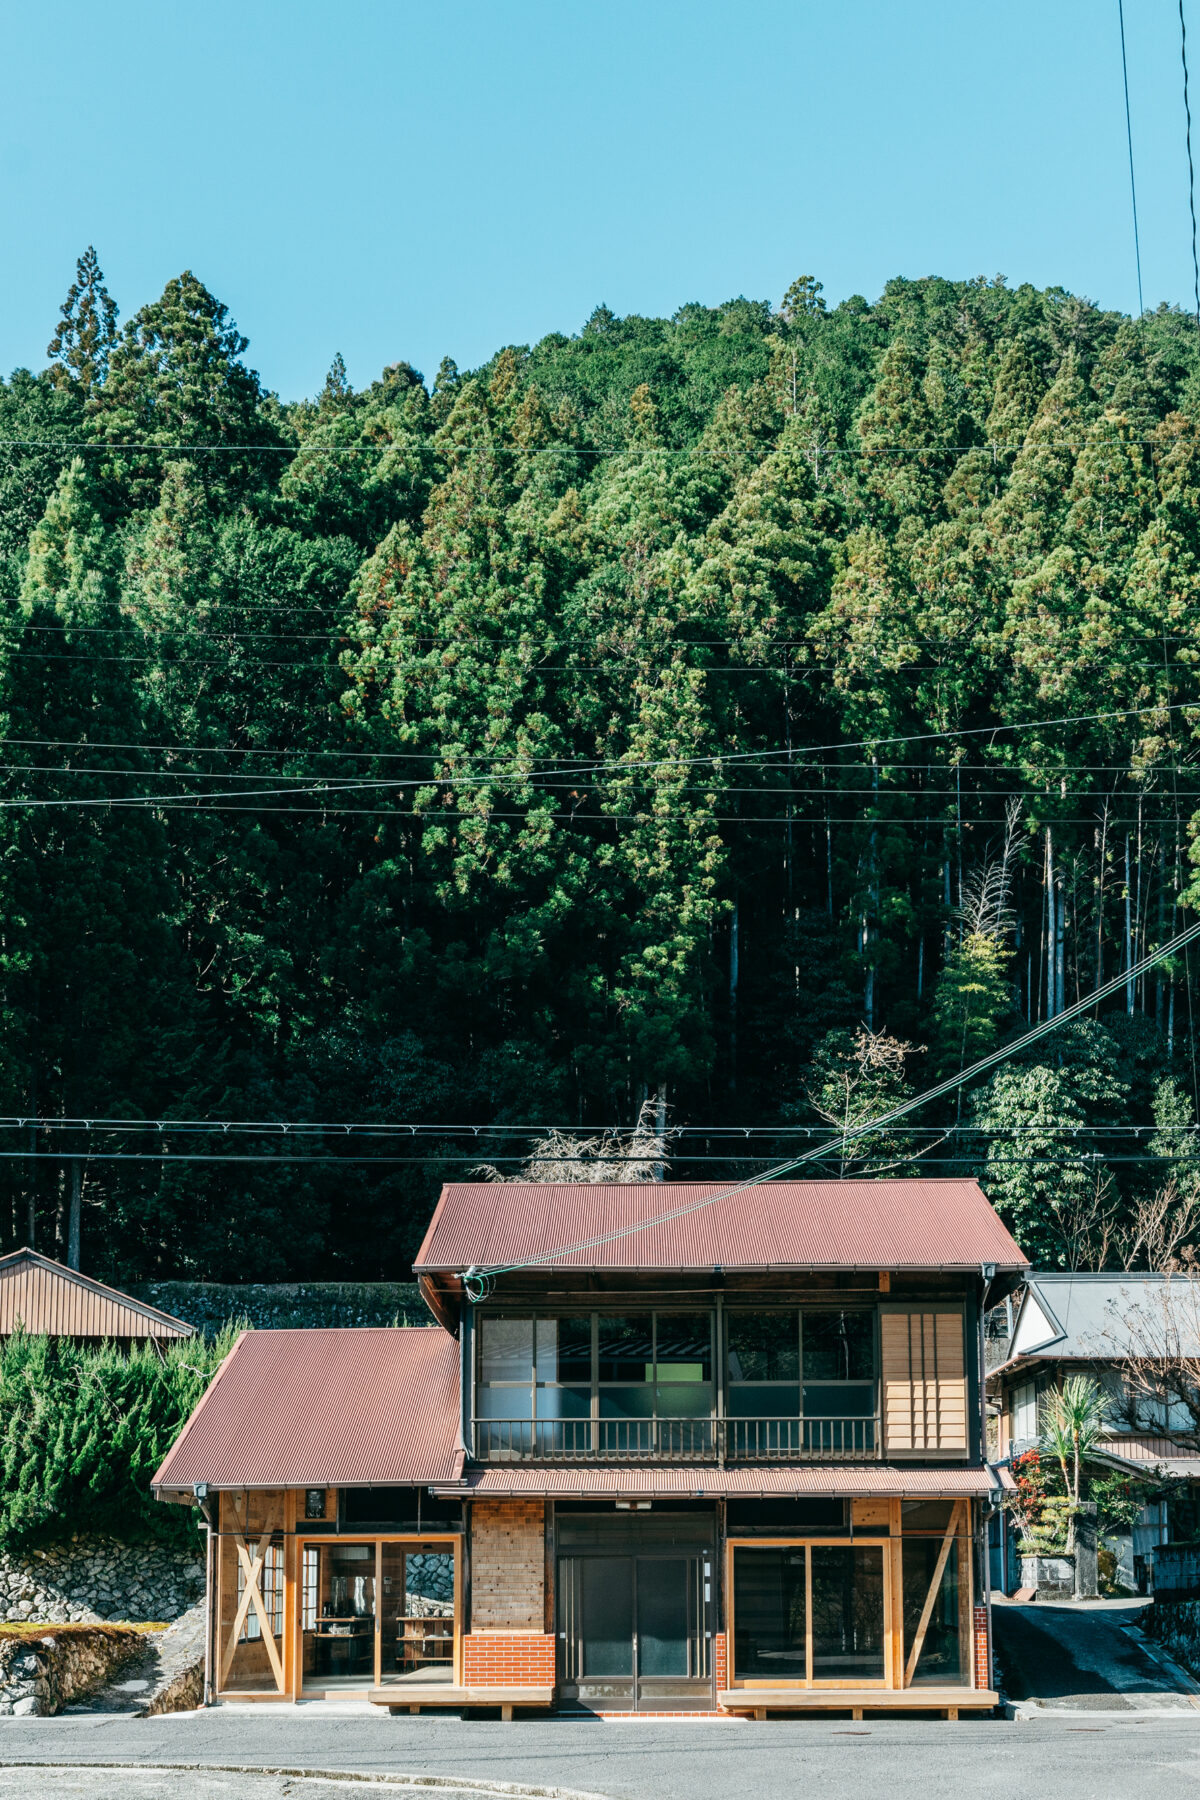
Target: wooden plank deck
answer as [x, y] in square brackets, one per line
[759, 1701]
[410, 1696]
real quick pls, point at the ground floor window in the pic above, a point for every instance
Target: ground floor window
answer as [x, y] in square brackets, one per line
[378, 1613]
[889, 1611]
[936, 1621]
[271, 1588]
[340, 1614]
[810, 1612]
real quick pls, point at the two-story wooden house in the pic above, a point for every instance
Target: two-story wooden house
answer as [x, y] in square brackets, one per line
[661, 1453]
[1093, 1324]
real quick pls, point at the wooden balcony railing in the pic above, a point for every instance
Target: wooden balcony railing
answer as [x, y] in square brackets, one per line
[678, 1440]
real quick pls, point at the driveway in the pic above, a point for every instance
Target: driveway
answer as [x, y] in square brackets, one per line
[1081, 1658]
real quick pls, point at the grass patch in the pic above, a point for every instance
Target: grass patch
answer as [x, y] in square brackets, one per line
[28, 1628]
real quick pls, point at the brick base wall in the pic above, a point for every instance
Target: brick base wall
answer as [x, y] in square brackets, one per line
[720, 1661]
[508, 1659]
[983, 1653]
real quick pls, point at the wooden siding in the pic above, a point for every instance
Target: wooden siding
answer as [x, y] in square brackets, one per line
[923, 1369]
[45, 1298]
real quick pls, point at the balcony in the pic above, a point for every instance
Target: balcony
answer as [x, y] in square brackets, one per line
[694, 1440]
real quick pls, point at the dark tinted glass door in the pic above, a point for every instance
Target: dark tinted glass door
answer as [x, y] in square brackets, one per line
[635, 1631]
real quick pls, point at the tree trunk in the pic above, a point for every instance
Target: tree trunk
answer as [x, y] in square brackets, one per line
[733, 1000]
[1128, 931]
[1060, 942]
[75, 1217]
[1050, 924]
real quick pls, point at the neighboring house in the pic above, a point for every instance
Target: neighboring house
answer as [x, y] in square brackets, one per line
[46, 1299]
[658, 1455]
[1066, 1324]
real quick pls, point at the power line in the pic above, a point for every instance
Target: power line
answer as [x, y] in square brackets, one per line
[477, 1282]
[624, 1135]
[1137, 249]
[1187, 109]
[1084, 1160]
[568, 766]
[349, 755]
[527, 773]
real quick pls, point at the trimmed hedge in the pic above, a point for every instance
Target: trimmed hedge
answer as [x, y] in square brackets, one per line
[83, 1430]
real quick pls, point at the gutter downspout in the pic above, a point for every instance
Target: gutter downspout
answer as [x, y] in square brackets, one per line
[201, 1492]
[988, 1273]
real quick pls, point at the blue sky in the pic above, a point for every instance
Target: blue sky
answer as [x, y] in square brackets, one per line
[401, 180]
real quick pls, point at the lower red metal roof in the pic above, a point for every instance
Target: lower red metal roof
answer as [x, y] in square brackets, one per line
[855, 1480]
[360, 1407]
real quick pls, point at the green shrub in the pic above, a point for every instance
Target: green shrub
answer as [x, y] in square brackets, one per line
[83, 1430]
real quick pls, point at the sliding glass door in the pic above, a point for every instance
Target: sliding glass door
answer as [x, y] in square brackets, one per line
[635, 1631]
[378, 1612]
[818, 1613]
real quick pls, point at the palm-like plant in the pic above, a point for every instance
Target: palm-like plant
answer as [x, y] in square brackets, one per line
[1072, 1418]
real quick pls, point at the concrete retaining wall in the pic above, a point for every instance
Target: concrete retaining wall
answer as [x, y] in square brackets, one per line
[1176, 1571]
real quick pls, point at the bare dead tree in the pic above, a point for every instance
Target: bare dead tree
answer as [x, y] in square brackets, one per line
[1153, 1333]
[984, 908]
[856, 1084]
[1159, 1232]
[615, 1154]
[1088, 1225]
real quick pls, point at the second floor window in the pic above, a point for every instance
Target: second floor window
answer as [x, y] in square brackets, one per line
[787, 1364]
[780, 1363]
[638, 1366]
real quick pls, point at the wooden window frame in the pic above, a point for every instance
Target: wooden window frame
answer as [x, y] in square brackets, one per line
[890, 1309]
[806, 1682]
[958, 1538]
[292, 1620]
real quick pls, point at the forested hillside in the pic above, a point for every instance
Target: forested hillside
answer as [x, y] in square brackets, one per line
[771, 708]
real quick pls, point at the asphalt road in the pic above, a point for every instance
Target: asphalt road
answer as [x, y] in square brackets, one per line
[1093, 1758]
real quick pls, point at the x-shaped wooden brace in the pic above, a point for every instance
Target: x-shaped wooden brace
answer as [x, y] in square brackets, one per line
[252, 1566]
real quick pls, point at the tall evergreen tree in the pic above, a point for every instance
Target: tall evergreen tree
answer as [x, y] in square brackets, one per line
[86, 334]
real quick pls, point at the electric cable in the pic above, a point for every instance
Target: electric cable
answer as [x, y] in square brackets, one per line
[1187, 109]
[527, 774]
[477, 1282]
[1137, 249]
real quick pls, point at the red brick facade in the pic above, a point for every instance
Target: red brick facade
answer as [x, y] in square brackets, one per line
[983, 1654]
[720, 1661]
[508, 1659]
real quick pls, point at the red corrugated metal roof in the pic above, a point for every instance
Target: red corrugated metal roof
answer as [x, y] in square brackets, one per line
[780, 1225]
[360, 1407]
[46, 1298]
[865, 1480]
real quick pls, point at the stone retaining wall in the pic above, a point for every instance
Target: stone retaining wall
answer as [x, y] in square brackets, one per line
[40, 1675]
[279, 1306]
[1175, 1624]
[90, 1579]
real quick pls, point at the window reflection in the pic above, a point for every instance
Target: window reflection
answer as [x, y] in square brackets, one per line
[763, 1346]
[625, 1348]
[839, 1346]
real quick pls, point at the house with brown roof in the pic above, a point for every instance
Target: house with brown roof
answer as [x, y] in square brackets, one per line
[1069, 1323]
[46, 1299]
[665, 1449]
